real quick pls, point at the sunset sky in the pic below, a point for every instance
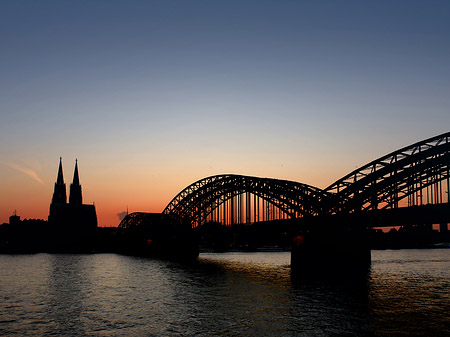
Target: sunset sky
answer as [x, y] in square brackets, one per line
[151, 96]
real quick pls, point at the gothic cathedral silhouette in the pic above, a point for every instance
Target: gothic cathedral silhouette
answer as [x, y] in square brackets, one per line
[73, 218]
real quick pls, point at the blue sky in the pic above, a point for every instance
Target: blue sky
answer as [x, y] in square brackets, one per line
[153, 95]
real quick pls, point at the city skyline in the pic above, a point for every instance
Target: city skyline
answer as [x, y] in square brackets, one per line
[152, 96]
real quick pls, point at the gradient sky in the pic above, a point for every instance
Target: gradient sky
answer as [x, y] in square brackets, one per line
[151, 96]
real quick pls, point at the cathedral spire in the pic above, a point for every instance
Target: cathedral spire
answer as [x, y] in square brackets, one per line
[75, 188]
[76, 179]
[59, 194]
[60, 178]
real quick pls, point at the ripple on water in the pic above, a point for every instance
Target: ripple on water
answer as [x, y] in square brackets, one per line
[247, 294]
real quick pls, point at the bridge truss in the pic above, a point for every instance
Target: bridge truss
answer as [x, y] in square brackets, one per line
[231, 199]
[414, 175]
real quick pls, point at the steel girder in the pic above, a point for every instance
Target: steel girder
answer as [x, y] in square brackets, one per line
[199, 199]
[382, 183]
[379, 184]
[133, 220]
[142, 221]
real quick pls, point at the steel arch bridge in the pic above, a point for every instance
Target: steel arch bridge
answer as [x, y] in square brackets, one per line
[203, 198]
[414, 175]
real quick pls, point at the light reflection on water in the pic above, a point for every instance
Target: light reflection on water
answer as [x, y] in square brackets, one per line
[410, 291]
[248, 294]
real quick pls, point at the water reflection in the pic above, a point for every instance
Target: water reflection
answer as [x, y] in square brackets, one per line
[67, 292]
[336, 303]
[246, 294]
[279, 302]
[237, 297]
[409, 292]
[23, 293]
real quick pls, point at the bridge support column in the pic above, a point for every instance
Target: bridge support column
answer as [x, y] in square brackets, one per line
[443, 227]
[329, 250]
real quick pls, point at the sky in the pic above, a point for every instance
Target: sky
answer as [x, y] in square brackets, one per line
[151, 96]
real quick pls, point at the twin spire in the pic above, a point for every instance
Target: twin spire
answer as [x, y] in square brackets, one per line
[59, 194]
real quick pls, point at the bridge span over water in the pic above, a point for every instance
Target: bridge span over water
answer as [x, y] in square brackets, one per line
[407, 187]
[414, 176]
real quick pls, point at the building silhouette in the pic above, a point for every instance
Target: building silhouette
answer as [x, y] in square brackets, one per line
[74, 217]
[14, 219]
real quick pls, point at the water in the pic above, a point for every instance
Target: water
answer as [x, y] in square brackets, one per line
[406, 293]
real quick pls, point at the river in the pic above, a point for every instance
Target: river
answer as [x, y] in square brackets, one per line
[405, 293]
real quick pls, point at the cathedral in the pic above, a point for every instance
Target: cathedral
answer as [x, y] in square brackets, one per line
[73, 217]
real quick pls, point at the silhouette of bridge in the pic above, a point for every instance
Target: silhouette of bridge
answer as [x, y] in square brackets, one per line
[411, 177]
[327, 227]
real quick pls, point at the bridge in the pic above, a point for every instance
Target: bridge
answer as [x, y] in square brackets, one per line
[415, 175]
[410, 185]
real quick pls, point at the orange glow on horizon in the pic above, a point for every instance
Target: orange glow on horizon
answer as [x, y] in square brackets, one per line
[138, 190]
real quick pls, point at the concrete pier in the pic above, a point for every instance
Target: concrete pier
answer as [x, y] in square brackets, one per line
[330, 250]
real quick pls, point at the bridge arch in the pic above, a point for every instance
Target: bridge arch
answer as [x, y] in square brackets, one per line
[198, 200]
[418, 174]
[414, 175]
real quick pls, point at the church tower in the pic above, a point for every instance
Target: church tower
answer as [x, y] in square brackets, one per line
[70, 221]
[75, 188]
[59, 194]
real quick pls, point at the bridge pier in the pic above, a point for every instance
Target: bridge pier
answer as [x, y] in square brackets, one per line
[328, 249]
